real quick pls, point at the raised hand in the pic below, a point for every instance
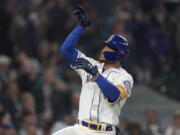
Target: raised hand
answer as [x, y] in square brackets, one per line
[82, 16]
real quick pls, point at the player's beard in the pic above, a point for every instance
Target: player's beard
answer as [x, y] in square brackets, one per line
[102, 59]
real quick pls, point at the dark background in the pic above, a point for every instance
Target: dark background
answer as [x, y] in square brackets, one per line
[39, 93]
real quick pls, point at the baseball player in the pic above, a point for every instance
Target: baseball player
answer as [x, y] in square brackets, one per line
[105, 84]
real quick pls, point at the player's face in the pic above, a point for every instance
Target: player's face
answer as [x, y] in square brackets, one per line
[106, 48]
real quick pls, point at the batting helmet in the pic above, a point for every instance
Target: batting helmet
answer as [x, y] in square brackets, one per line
[120, 46]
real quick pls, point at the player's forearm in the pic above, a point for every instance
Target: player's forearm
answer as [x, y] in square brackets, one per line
[69, 45]
[108, 89]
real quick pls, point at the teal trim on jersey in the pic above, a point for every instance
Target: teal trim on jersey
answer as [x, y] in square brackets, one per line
[110, 73]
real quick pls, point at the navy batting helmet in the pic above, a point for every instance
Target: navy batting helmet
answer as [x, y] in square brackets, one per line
[120, 46]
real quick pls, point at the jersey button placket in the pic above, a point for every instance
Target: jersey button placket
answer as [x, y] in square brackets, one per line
[94, 107]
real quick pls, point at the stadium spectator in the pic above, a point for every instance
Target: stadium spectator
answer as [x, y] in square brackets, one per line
[123, 126]
[5, 118]
[174, 129]
[29, 124]
[6, 125]
[11, 100]
[27, 72]
[153, 126]
[28, 103]
[46, 120]
[7, 129]
[5, 62]
[44, 53]
[135, 128]
[75, 103]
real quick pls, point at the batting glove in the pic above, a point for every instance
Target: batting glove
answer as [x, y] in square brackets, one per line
[82, 16]
[87, 66]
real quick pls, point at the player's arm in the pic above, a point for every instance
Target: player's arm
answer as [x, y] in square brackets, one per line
[68, 48]
[69, 45]
[113, 92]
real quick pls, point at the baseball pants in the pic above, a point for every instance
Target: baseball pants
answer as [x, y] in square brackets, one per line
[81, 130]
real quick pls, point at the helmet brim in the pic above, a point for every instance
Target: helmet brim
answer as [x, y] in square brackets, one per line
[107, 44]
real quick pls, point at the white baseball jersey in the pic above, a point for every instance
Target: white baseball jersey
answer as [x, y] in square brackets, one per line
[93, 105]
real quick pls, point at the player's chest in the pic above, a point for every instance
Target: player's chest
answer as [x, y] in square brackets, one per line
[90, 84]
[106, 74]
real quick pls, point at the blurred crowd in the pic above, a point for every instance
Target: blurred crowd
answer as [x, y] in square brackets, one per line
[39, 93]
